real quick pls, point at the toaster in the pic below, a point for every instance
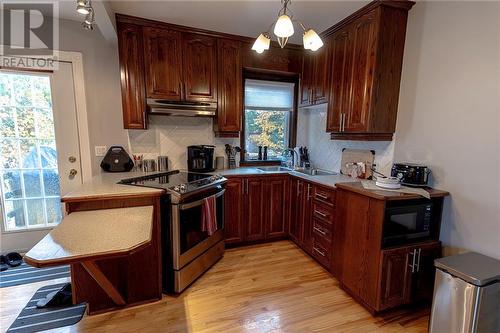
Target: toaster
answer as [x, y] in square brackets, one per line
[411, 174]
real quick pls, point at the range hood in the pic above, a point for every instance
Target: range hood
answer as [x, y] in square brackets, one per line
[185, 109]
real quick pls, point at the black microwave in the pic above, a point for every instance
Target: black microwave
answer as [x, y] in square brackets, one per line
[407, 222]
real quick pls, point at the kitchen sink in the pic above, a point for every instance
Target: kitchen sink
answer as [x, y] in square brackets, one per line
[274, 169]
[315, 172]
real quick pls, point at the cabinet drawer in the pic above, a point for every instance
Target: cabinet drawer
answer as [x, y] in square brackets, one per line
[322, 212]
[321, 250]
[324, 194]
[322, 230]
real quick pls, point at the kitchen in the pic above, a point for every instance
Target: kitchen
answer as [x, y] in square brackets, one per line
[426, 107]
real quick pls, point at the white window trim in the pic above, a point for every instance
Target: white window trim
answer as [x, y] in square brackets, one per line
[76, 61]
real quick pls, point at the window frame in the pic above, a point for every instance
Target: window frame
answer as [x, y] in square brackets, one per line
[292, 126]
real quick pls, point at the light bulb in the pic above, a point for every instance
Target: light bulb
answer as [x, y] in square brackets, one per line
[87, 25]
[261, 43]
[311, 40]
[83, 9]
[283, 27]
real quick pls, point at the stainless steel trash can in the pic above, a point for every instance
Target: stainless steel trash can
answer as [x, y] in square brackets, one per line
[466, 295]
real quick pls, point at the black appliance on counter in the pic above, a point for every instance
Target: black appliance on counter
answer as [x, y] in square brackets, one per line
[411, 174]
[187, 250]
[117, 160]
[201, 158]
[410, 221]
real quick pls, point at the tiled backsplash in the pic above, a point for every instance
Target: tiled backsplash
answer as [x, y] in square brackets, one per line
[325, 153]
[170, 136]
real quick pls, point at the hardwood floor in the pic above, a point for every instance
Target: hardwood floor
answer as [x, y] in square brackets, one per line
[271, 287]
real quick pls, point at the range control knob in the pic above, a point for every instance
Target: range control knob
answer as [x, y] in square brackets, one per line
[183, 187]
[177, 188]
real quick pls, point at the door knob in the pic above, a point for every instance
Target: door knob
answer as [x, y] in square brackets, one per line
[72, 173]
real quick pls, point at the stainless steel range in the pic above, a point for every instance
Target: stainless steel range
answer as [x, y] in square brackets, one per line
[188, 248]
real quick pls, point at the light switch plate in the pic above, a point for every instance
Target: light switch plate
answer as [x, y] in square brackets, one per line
[100, 151]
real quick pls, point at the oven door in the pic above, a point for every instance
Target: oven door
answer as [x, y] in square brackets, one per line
[188, 239]
[406, 224]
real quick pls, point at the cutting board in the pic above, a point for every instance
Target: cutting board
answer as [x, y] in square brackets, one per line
[355, 156]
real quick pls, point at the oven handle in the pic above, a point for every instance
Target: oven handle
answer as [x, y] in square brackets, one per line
[199, 202]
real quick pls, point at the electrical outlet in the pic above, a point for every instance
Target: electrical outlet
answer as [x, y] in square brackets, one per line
[100, 151]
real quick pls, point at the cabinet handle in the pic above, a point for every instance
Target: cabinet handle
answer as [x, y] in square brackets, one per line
[322, 196]
[340, 122]
[418, 260]
[343, 122]
[320, 231]
[320, 213]
[308, 192]
[413, 255]
[320, 252]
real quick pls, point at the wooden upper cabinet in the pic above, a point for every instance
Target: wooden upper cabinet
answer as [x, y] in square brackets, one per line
[130, 46]
[199, 67]
[339, 69]
[230, 88]
[163, 63]
[321, 78]
[365, 71]
[306, 79]
[363, 43]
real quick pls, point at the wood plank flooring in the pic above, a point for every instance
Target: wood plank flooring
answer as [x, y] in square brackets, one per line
[271, 287]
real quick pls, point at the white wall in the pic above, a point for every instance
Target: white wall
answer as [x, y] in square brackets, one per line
[325, 153]
[449, 113]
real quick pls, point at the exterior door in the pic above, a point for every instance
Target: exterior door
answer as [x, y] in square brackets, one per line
[39, 148]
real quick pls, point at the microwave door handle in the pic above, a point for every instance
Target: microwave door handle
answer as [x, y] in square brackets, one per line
[199, 202]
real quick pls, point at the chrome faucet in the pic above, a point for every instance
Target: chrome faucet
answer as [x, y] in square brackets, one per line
[293, 156]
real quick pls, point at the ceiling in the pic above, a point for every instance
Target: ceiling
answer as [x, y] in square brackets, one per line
[240, 17]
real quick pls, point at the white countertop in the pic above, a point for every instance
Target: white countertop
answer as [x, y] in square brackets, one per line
[105, 184]
[94, 233]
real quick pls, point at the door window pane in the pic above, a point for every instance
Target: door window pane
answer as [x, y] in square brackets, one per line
[29, 179]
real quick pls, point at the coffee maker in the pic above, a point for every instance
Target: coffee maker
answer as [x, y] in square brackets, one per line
[201, 158]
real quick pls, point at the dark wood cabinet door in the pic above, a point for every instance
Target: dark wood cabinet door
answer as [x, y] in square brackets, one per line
[199, 67]
[321, 80]
[423, 286]
[233, 211]
[363, 56]
[307, 234]
[255, 209]
[163, 63]
[339, 80]
[396, 277]
[230, 88]
[296, 199]
[306, 79]
[276, 191]
[132, 75]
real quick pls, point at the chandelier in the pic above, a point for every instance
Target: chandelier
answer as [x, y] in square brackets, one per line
[84, 7]
[283, 29]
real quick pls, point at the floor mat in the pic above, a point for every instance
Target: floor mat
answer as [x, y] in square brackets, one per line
[32, 319]
[25, 273]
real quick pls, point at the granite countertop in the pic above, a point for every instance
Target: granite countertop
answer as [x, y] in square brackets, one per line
[325, 180]
[103, 233]
[106, 184]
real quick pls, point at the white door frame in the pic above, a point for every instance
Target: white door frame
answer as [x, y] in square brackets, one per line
[75, 58]
[76, 61]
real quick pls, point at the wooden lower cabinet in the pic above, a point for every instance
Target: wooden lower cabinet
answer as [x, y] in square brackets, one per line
[407, 274]
[256, 209]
